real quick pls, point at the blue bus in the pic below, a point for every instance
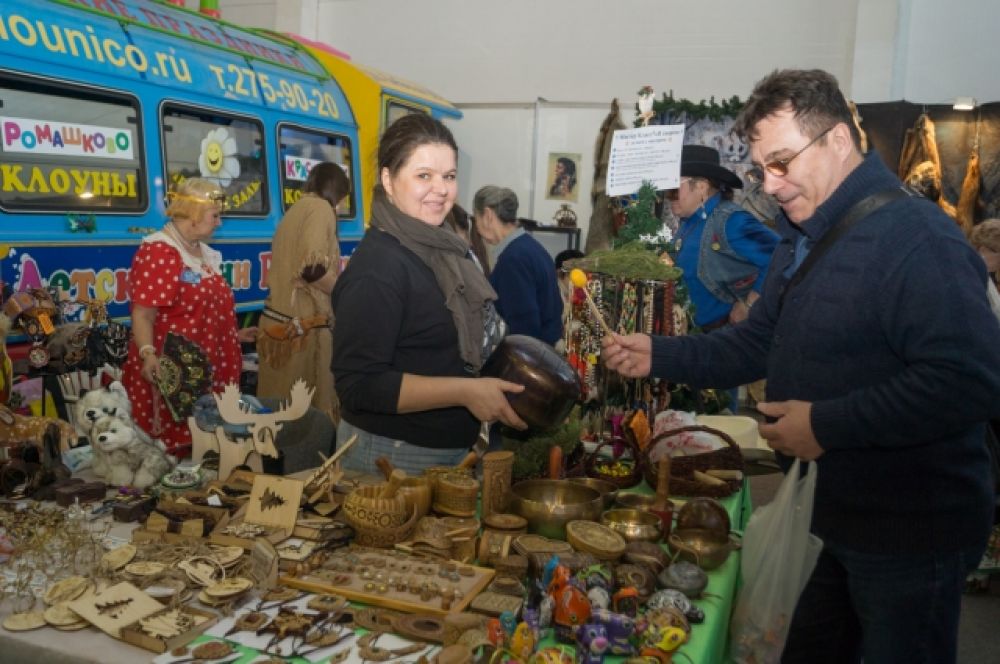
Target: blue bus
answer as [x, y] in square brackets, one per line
[106, 104]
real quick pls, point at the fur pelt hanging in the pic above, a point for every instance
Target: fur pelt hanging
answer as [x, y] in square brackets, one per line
[602, 219]
[920, 164]
[968, 198]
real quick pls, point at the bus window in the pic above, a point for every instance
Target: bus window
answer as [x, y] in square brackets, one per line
[68, 149]
[223, 148]
[395, 109]
[301, 149]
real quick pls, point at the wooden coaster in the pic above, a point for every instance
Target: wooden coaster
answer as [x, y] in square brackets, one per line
[66, 590]
[118, 558]
[209, 600]
[145, 568]
[72, 627]
[60, 615]
[229, 587]
[22, 622]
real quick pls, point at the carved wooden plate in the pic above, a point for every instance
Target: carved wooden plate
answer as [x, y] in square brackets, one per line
[118, 558]
[229, 587]
[145, 568]
[66, 590]
[60, 615]
[22, 622]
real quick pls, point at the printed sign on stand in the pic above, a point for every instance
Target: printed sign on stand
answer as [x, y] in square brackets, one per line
[650, 154]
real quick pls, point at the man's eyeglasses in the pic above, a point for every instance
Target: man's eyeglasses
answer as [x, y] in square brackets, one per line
[779, 167]
[674, 194]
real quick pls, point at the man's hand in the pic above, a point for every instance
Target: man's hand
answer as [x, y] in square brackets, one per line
[792, 433]
[631, 355]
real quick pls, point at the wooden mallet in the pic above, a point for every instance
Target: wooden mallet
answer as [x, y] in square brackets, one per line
[579, 279]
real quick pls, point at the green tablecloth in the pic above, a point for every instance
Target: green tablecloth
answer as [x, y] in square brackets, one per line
[708, 643]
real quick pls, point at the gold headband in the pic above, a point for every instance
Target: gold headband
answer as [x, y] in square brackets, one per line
[216, 197]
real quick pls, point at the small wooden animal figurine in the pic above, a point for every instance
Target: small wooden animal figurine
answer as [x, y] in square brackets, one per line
[619, 630]
[522, 643]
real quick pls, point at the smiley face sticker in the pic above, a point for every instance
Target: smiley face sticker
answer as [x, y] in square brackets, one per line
[218, 157]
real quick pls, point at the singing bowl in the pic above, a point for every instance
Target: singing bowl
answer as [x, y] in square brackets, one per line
[634, 525]
[607, 490]
[702, 547]
[548, 505]
[704, 513]
[635, 501]
[551, 386]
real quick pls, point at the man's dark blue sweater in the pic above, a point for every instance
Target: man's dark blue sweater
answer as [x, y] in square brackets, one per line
[891, 338]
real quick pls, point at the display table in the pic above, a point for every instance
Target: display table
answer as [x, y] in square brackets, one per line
[707, 643]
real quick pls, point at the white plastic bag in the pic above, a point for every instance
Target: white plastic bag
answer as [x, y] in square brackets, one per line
[779, 554]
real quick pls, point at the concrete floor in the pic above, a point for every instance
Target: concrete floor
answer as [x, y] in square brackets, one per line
[979, 626]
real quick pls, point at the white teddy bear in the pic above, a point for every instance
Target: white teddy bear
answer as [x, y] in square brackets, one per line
[126, 458]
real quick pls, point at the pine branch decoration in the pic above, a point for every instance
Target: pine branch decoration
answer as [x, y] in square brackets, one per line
[668, 110]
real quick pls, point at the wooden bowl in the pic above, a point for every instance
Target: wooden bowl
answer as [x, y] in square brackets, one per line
[548, 505]
[634, 525]
[418, 494]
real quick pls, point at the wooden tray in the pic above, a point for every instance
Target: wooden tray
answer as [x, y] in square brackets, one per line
[335, 581]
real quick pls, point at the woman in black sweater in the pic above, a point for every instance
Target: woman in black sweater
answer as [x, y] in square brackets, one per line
[415, 317]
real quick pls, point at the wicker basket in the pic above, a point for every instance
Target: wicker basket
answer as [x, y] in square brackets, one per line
[592, 462]
[682, 468]
[455, 494]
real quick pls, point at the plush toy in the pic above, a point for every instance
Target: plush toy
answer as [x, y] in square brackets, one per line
[92, 405]
[16, 428]
[130, 460]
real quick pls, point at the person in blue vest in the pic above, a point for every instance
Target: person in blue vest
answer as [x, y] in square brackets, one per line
[723, 249]
[528, 297]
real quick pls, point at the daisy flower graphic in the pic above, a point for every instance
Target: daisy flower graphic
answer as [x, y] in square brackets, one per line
[218, 157]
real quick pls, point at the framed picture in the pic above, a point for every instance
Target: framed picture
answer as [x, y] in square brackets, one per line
[561, 183]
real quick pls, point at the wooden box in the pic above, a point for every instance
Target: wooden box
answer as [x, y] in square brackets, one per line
[134, 634]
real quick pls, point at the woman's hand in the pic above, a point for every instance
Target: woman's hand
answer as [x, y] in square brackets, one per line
[150, 367]
[247, 335]
[486, 399]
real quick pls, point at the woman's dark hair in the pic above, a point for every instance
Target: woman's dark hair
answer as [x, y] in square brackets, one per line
[407, 134]
[568, 165]
[329, 182]
[501, 200]
[458, 218]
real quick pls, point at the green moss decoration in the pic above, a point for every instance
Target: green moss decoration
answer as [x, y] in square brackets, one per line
[531, 448]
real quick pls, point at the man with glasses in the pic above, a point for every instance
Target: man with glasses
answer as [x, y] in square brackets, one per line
[876, 338]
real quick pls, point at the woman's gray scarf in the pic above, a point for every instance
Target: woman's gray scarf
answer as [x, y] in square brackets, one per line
[466, 291]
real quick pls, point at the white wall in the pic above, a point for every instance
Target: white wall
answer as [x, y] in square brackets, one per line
[536, 76]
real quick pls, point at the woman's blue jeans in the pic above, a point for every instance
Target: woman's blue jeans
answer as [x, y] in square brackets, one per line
[882, 608]
[401, 454]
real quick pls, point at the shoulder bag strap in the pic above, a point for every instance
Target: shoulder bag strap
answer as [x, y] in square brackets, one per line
[856, 213]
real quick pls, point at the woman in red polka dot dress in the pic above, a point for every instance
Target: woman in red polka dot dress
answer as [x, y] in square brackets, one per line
[176, 285]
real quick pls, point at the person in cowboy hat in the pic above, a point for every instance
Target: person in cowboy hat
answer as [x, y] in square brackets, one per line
[723, 249]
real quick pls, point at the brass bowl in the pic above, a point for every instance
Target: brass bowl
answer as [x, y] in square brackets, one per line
[607, 490]
[635, 501]
[704, 513]
[634, 525]
[548, 505]
[702, 547]
[551, 386]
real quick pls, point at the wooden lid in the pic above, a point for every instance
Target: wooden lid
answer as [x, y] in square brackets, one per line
[595, 538]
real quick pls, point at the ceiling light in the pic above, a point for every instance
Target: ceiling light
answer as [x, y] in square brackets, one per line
[964, 103]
